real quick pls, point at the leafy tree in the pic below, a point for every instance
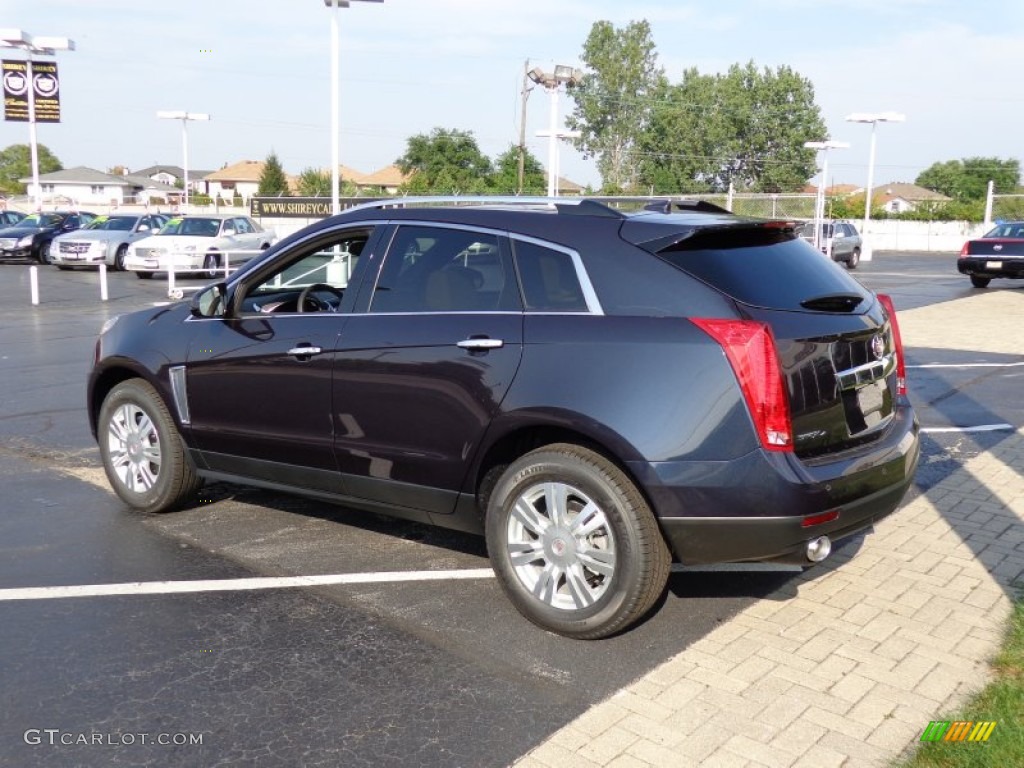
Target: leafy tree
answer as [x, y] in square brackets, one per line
[506, 173]
[314, 182]
[968, 179]
[16, 163]
[612, 103]
[746, 127]
[273, 182]
[445, 162]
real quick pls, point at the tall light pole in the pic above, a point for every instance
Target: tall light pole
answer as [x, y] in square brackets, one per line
[552, 82]
[874, 118]
[819, 203]
[40, 45]
[184, 117]
[335, 113]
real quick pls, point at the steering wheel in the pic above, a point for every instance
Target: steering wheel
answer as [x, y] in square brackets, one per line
[317, 304]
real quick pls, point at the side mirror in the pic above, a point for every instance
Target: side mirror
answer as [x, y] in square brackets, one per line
[143, 227]
[211, 301]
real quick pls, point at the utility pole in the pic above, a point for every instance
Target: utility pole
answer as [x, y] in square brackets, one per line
[523, 96]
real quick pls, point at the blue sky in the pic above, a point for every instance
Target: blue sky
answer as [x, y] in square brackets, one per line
[261, 68]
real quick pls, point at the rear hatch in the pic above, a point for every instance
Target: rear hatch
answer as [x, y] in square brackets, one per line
[835, 344]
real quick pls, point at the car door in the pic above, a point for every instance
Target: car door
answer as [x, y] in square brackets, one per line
[424, 363]
[259, 379]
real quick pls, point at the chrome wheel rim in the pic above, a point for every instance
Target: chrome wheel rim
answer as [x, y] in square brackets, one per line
[561, 546]
[134, 447]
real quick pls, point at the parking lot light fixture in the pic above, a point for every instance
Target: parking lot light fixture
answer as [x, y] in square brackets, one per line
[335, 114]
[563, 75]
[874, 118]
[38, 45]
[184, 117]
[819, 204]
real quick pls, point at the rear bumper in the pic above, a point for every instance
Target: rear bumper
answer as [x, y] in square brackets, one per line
[991, 266]
[752, 509]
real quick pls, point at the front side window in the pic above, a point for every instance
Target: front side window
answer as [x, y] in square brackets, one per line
[550, 282]
[437, 269]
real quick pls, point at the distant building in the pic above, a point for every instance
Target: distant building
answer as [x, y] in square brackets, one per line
[900, 198]
[241, 179]
[84, 186]
[386, 181]
[172, 175]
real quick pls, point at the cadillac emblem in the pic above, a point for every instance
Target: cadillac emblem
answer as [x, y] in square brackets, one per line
[878, 347]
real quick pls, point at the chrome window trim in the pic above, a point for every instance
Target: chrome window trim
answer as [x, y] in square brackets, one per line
[589, 294]
[179, 390]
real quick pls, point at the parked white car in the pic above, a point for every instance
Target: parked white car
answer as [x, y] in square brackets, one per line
[105, 239]
[198, 244]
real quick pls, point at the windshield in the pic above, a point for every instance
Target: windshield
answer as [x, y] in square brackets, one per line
[40, 220]
[193, 226]
[113, 223]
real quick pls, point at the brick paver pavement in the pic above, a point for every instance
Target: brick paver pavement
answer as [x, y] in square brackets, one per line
[848, 663]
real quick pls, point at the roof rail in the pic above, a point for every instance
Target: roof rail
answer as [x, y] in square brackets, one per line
[564, 205]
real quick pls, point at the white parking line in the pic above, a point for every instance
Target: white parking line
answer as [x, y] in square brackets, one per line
[967, 365]
[979, 428]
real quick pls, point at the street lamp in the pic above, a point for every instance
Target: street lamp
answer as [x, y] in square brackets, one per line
[552, 81]
[335, 150]
[819, 203]
[874, 118]
[184, 117]
[40, 45]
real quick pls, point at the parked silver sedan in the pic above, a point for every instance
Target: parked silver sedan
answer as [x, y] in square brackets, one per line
[104, 240]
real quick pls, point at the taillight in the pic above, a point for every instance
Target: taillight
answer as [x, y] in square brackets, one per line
[897, 340]
[965, 250]
[750, 349]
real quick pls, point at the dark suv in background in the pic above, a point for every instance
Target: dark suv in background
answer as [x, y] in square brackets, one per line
[596, 392]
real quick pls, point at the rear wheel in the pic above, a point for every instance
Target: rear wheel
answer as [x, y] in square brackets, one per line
[980, 282]
[142, 452]
[144, 275]
[574, 544]
[854, 260]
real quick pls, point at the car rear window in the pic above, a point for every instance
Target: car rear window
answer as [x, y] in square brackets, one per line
[763, 267]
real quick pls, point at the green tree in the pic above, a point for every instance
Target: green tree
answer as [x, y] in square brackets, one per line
[314, 182]
[16, 163]
[747, 127]
[968, 179]
[505, 179]
[612, 104]
[273, 182]
[445, 162]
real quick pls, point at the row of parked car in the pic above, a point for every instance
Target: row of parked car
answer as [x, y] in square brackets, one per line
[143, 243]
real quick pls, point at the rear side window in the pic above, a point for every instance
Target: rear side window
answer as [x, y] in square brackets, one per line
[762, 267]
[550, 282]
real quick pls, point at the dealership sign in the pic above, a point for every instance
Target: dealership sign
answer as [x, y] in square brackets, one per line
[45, 87]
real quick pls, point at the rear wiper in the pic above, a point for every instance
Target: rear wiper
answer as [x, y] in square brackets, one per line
[833, 302]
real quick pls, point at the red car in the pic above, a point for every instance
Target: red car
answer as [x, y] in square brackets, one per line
[998, 253]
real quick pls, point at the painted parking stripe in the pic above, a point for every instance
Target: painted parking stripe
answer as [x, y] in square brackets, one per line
[967, 365]
[979, 428]
[286, 582]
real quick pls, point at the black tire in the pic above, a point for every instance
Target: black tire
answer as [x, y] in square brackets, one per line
[144, 275]
[122, 251]
[63, 268]
[142, 452]
[980, 282]
[622, 540]
[44, 253]
[211, 263]
[854, 260]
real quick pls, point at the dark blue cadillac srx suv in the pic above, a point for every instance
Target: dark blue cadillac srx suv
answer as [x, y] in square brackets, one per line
[596, 392]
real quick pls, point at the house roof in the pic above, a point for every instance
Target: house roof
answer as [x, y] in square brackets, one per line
[909, 192]
[390, 176]
[246, 170]
[81, 175]
[570, 187]
[836, 190]
[176, 171]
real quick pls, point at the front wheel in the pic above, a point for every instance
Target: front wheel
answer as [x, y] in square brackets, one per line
[141, 450]
[574, 544]
[44, 254]
[980, 282]
[211, 264]
[122, 251]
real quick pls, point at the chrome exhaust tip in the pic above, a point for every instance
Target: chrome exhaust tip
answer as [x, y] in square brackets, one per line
[818, 549]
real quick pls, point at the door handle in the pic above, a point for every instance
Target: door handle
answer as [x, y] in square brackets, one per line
[306, 350]
[479, 344]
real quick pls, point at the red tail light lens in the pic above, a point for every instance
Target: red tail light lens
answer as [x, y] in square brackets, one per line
[897, 340]
[750, 349]
[965, 250]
